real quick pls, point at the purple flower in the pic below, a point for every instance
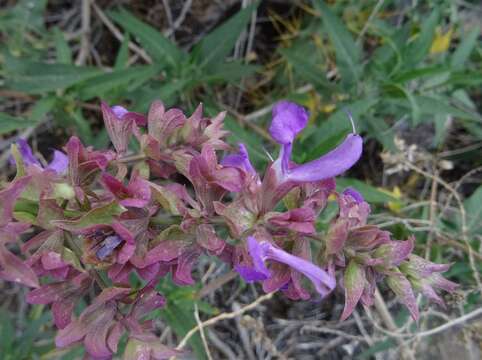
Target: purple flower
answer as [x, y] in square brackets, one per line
[349, 191]
[240, 160]
[288, 120]
[264, 250]
[59, 163]
[108, 246]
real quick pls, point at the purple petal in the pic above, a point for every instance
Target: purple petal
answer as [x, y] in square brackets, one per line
[59, 163]
[337, 161]
[288, 120]
[108, 246]
[119, 111]
[323, 282]
[239, 160]
[258, 254]
[26, 152]
[354, 194]
[249, 274]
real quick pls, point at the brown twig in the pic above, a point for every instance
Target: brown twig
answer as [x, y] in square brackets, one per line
[216, 284]
[85, 30]
[117, 33]
[223, 316]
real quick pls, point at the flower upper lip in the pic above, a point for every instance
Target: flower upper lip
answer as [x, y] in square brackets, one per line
[288, 120]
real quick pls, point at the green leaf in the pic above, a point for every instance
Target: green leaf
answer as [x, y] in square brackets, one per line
[431, 105]
[10, 123]
[123, 79]
[160, 48]
[82, 125]
[122, 57]
[168, 92]
[417, 50]
[411, 99]
[463, 51]
[306, 69]
[413, 74]
[64, 55]
[348, 53]
[466, 78]
[37, 78]
[230, 72]
[42, 107]
[370, 193]
[179, 313]
[474, 211]
[214, 47]
[99, 216]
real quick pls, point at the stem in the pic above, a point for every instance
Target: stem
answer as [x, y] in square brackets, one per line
[132, 158]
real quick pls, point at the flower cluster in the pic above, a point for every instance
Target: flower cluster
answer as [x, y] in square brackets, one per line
[89, 219]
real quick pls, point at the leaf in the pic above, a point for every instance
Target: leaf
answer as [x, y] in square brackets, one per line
[417, 50]
[10, 123]
[215, 46]
[431, 105]
[474, 211]
[348, 53]
[463, 51]
[103, 215]
[230, 72]
[306, 69]
[42, 107]
[179, 313]
[64, 55]
[411, 99]
[37, 78]
[370, 193]
[159, 47]
[122, 58]
[102, 85]
[469, 78]
[413, 74]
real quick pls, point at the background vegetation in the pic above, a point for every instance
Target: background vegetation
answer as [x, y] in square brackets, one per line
[409, 71]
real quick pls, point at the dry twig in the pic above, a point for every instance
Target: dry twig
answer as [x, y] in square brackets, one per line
[221, 317]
